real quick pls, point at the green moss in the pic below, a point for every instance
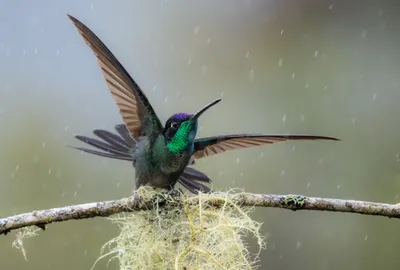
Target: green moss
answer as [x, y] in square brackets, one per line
[295, 201]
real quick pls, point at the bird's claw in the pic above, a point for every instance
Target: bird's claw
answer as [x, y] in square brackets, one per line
[175, 192]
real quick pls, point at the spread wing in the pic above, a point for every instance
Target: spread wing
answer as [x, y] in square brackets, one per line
[205, 147]
[136, 111]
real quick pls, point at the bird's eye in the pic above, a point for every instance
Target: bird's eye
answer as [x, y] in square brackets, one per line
[174, 124]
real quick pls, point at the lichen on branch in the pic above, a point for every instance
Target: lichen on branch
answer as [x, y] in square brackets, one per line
[108, 208]
[197, 232]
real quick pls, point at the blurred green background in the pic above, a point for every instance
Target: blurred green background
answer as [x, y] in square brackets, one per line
[318, 67]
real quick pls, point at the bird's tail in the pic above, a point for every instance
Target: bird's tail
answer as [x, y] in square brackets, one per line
[121, 146]
[112, 145]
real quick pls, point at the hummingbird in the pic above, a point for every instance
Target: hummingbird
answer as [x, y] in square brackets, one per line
[162, 155]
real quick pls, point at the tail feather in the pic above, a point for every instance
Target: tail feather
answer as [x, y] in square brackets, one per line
[102, 145]
[112, 139]
[124, 133]
[102, 154]
[195, 175]
[193, 186]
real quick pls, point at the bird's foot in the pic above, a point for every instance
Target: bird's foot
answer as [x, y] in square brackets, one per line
[175, 192]
[169, 196]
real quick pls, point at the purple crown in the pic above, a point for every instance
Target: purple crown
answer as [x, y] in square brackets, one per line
[182, 116]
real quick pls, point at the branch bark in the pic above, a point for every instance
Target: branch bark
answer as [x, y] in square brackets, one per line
[41, 218]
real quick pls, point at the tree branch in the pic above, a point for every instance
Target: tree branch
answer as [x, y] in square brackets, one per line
[107, 208]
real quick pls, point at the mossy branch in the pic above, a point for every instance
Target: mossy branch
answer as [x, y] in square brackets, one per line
[107, 208]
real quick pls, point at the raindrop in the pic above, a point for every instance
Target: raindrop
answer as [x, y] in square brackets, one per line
[154, 88]
[35, 51]
[353, 120]
[118, 184]
[44, 144]
[326, 87]
[166, 100]
[252, 74]
[366, 238]
[302, 117]
[261, 155]
[58, 173]
[374, 96]
[172, 46]
[281, 32]
[330, 7]
[280, 62]
[321, 160]
[241, 174]
[49, 171]
[57, 52]
[338, 186]
[222, 94]
[208, 40]
[293, 148]
[16, 168]
[364, 34]
[63, 194]
[283, 172]
[307, 85]
[220, 173]
[35, 159]
[298, 244]
[12, 175]
[293, 75]
[189, 62]
[284, 118]
[237, 160]
[91, 6]
[204, 68]
[247, 54]
[75, 194]
[308, 185]
[316, 54]
[196, 30]
[66, 128]
[24, 53]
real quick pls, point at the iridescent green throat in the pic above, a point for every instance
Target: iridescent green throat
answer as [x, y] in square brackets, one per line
[180, 141]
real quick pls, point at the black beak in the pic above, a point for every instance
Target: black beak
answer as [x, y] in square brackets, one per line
[202, 110]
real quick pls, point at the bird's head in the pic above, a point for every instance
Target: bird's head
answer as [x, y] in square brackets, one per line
[181, 128]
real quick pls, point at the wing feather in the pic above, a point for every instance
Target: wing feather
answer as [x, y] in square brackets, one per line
[134, 107]
[205, 147]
